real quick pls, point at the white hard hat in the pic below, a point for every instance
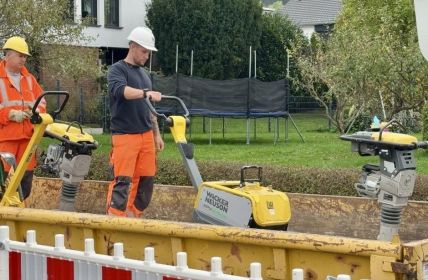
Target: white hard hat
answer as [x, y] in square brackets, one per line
[144, 37]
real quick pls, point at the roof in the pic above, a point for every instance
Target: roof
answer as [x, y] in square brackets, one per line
[312, 12]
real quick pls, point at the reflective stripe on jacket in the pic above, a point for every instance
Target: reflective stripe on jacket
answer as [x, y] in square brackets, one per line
[11, 98]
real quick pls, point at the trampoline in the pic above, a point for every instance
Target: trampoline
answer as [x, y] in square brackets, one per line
[245, 98]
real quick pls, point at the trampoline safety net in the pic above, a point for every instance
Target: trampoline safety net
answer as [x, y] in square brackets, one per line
[244, 98]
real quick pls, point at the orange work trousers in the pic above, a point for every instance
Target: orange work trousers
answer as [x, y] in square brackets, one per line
[17, 148]
[133, 158]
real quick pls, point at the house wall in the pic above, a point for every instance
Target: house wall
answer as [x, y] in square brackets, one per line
[132, 13]
[308, 30]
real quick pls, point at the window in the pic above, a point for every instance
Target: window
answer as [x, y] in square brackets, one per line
[89, 11]
[111, 13]
[324, 30]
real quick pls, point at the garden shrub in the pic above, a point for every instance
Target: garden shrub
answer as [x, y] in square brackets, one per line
[337, 181]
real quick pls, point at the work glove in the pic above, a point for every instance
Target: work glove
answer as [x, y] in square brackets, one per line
[18, 115]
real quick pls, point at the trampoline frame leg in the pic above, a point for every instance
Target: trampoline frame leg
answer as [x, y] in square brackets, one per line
[248, 131]
[297, 129]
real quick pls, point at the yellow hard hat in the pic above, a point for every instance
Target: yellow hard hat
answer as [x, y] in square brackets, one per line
[17, 44]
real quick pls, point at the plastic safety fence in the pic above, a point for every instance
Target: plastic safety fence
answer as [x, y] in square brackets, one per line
[228, 98]
[30, 261]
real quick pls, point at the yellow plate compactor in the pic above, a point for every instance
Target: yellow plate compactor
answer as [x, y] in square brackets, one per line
[243, 203]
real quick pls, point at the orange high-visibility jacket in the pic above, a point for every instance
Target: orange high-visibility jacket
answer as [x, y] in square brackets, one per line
[11, 98]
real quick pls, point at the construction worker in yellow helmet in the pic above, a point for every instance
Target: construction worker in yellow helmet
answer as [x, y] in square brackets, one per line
[19, 90]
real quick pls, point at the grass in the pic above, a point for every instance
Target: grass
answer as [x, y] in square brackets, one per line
[321, 148]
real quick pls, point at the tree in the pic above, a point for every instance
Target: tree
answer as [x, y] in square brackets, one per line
[277, 37]
[219, 32]
[46, 23]
[396, 68]
[373, 51]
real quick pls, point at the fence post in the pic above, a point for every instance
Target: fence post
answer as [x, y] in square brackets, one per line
[181, 261]
[297, 274]
[59, 242]
[4, 253]
[149, 255]
[216, 267]
[255, 271]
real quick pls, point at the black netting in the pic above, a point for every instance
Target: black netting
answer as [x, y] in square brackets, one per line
[166, 85]
[239, 97]
[212, 97]
[267, 97]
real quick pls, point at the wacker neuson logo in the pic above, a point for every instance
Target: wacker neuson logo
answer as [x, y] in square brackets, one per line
[217, 202]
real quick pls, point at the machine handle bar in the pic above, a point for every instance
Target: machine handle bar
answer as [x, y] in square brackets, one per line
[421, 144]
[243, 179]
[153, 109]
[77, 144]
[36, 118]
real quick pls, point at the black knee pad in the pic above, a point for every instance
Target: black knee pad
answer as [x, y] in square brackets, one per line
[119, 196]
[27, 183]
[144, 192]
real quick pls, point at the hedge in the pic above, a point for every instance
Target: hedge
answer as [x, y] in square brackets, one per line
[338, 181]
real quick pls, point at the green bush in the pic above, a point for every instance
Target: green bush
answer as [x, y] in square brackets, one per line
[338, 181]
[361, 123]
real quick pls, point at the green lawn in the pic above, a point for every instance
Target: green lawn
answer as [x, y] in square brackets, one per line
[320, 149]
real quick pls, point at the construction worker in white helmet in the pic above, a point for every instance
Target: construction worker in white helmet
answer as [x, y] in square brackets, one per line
[19, 90]
[135, 132]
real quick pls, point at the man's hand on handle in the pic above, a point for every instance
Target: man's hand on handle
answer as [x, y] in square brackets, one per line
[155, 96]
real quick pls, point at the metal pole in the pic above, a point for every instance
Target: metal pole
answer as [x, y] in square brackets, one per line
[288, 64]
[286, 129]
[255, 128]
[176, 58]
[223, 127]
[210, 129]
[255, 64]
[249, 64]
[191, 64]
[248, 131]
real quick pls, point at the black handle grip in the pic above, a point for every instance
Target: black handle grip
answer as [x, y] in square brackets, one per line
[36, 118]
[422, 144]
[244, 168]
[153, 109]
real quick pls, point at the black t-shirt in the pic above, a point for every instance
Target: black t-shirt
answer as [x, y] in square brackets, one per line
[128, 116]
